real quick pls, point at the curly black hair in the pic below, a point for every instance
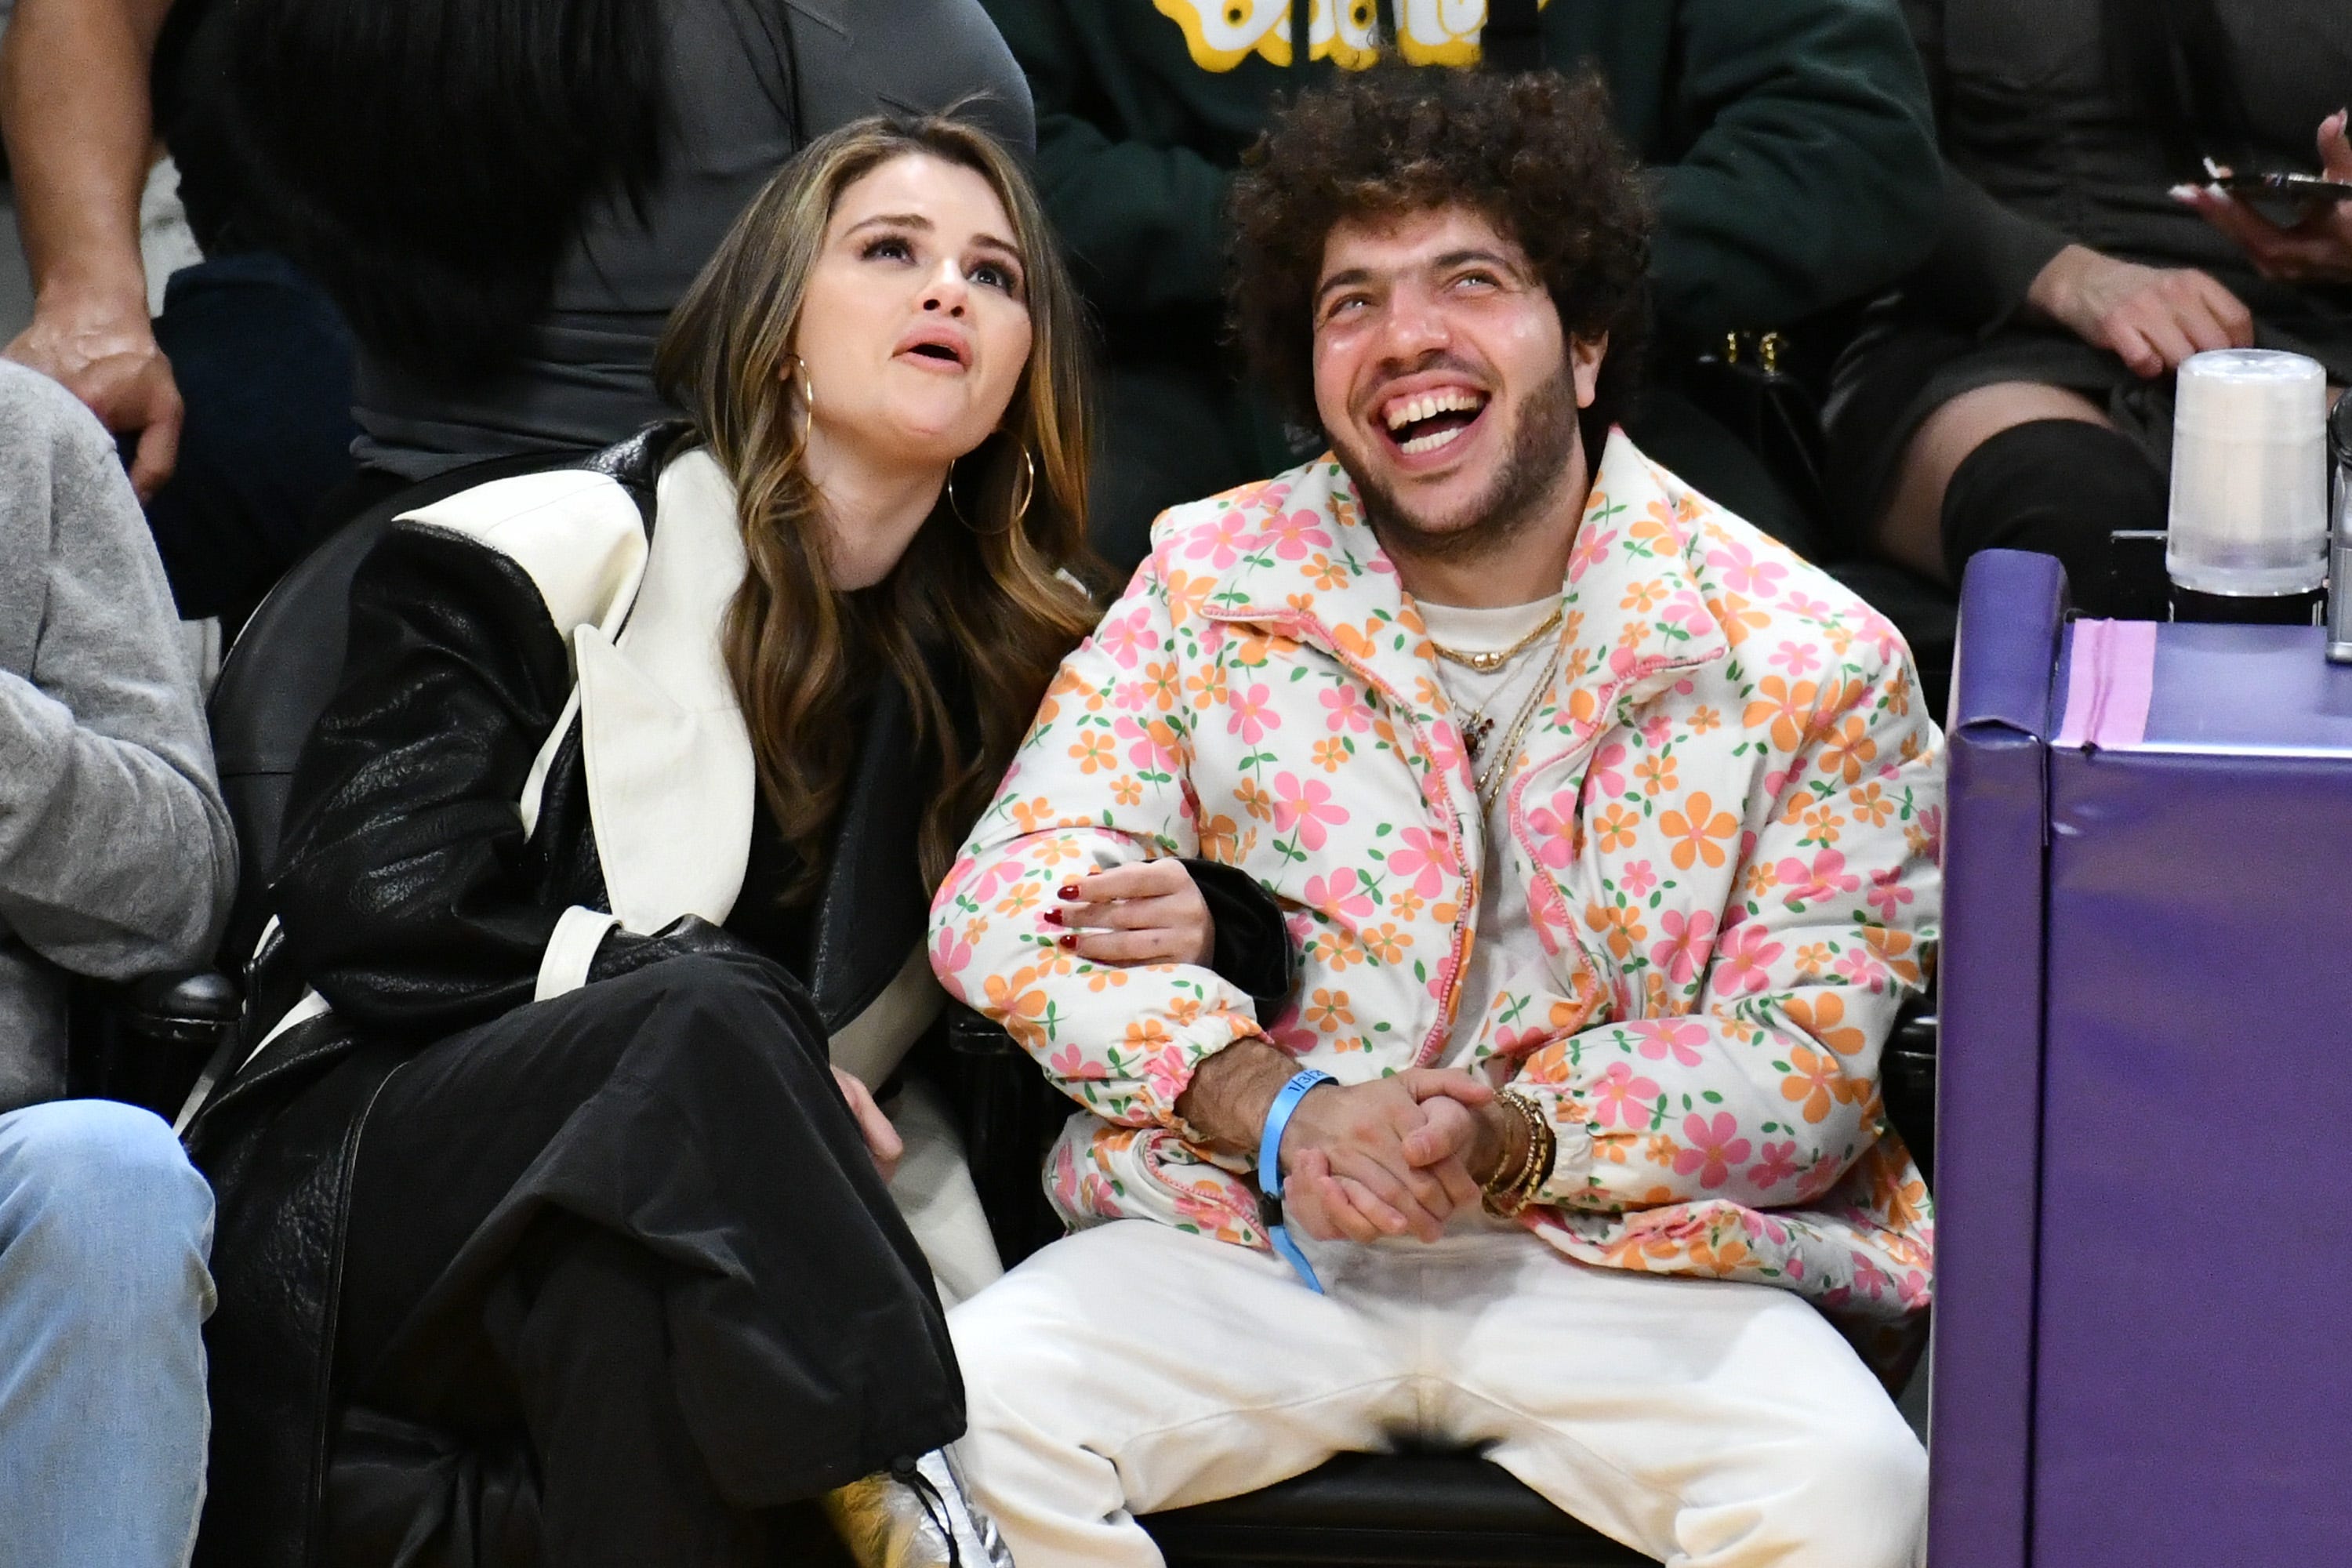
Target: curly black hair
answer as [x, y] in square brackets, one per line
[1537, 153]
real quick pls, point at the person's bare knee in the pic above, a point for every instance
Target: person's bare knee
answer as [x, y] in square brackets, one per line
[1910, 529]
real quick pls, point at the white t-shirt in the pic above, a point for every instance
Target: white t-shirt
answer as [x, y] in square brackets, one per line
[1506, 934]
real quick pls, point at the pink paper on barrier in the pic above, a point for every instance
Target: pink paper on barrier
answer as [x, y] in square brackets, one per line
[2109, 684]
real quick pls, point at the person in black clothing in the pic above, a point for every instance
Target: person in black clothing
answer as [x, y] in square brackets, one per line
[503, 199]
[2018, 390]
[546, 1181]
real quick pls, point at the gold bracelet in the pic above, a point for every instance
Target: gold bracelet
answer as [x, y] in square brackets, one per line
[1506, 1201]
[1499, 1191]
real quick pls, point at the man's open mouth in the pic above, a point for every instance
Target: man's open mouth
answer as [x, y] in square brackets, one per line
[1425, 422]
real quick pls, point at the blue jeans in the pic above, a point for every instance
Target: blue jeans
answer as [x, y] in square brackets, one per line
[104, 1228]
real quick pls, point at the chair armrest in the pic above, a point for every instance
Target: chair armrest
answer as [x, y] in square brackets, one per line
[181, 1009]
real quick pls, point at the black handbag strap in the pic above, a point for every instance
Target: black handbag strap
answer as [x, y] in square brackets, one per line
[1512, 40]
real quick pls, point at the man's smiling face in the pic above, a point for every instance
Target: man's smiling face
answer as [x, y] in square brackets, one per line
[1444, 381]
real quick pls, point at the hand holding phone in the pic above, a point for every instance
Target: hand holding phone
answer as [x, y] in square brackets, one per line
[2315, 242]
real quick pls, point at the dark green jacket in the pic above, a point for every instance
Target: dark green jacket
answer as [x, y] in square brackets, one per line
[1797, 164]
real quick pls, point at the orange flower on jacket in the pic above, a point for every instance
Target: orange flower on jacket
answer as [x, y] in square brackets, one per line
[1821, 1014]
[1695, 829]
[1848, 748]
[1788, 710]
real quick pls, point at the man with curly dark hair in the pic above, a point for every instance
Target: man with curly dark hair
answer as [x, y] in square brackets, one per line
[1606, 831]
[1789, 144]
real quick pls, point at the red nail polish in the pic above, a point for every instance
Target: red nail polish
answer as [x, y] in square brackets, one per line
[1067, 939]
[1067, 891]
[1052, 917]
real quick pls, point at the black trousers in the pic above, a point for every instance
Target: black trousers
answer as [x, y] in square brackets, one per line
[631, 1236]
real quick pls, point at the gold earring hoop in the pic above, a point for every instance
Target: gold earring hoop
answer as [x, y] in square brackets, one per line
[1028, 486]
[798, 378]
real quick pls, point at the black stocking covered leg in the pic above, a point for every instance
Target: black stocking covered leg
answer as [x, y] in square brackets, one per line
[2056, 486]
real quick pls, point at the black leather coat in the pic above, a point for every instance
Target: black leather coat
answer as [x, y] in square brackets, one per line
[414, 901]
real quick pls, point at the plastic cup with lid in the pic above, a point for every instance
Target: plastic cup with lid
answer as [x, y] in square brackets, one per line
[2249, 512]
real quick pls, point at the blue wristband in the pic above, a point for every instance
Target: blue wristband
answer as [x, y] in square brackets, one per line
[1269, 1171]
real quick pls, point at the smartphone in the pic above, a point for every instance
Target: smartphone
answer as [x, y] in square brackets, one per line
[2281, 187]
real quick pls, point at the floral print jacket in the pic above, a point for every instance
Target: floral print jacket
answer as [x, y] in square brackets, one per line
[1725, 819]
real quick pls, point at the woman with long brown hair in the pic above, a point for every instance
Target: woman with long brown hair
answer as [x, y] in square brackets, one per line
[581, 1247]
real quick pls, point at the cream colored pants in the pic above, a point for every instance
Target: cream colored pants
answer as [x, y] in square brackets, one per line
[1133, 1367]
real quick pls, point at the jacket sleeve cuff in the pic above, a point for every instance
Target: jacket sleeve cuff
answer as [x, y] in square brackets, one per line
[1252, 951]
[1987, 257]
[1571, 1181]
[563, 966]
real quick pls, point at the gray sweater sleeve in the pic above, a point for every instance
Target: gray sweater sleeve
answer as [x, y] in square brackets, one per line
[116, 854]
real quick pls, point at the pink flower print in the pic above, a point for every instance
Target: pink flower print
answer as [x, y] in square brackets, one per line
[1252, 718]
[1678, 1037]
[1340, 893]
[1258, 493]
[1688, 611]
[1637, 879]
[1776, 1163]
[1222, 545]
[1913, 1290]
[1168, 1073]
[1869, 1279]
[1345, 711]
[1741, 962]
[1128, 638]
[1305, 805]
[1592, 543]
[1555, 835]
[1071, 1063]
[1683, 955]
[1422, 860]
[1713, 1147]
[1826, 875]
[1744, 573]
[1797, 658]
[1860, 967]
[1623, 1100]
[951, 954]
[1655, 730]
[1603, 775]
[1294, 535]
[1810, 608]
[1888, 895]
[1445, 753]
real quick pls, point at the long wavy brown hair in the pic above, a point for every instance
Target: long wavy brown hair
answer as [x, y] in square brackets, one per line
[987, 605]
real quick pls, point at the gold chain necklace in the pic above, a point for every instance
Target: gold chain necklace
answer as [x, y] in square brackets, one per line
[1487, 782]
[1487, 663]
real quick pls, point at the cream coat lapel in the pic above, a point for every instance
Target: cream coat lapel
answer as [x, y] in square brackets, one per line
[670, 775]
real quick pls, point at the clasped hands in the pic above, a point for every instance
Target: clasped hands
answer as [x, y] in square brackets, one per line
[1368, 1161]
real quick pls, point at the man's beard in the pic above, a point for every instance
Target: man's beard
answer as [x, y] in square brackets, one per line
[1542, 446]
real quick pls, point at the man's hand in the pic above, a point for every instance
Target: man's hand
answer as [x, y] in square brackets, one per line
[1148, 913]
[105, 353]
[2317, 250]
[1349, 1156]
[2150, 318]
[882, 1140]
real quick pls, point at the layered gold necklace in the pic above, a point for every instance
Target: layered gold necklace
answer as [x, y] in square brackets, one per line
[1487, 662]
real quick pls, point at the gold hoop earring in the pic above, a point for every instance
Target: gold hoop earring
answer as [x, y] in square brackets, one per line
[1028, 486]
[799, 378]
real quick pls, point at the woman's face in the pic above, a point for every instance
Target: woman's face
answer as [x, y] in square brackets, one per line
[916, 329]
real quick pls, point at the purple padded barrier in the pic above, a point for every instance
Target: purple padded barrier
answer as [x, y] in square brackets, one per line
[1989, 1067]
[2192, 1405]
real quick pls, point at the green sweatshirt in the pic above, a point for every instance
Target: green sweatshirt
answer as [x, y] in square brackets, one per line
[1796, 162]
